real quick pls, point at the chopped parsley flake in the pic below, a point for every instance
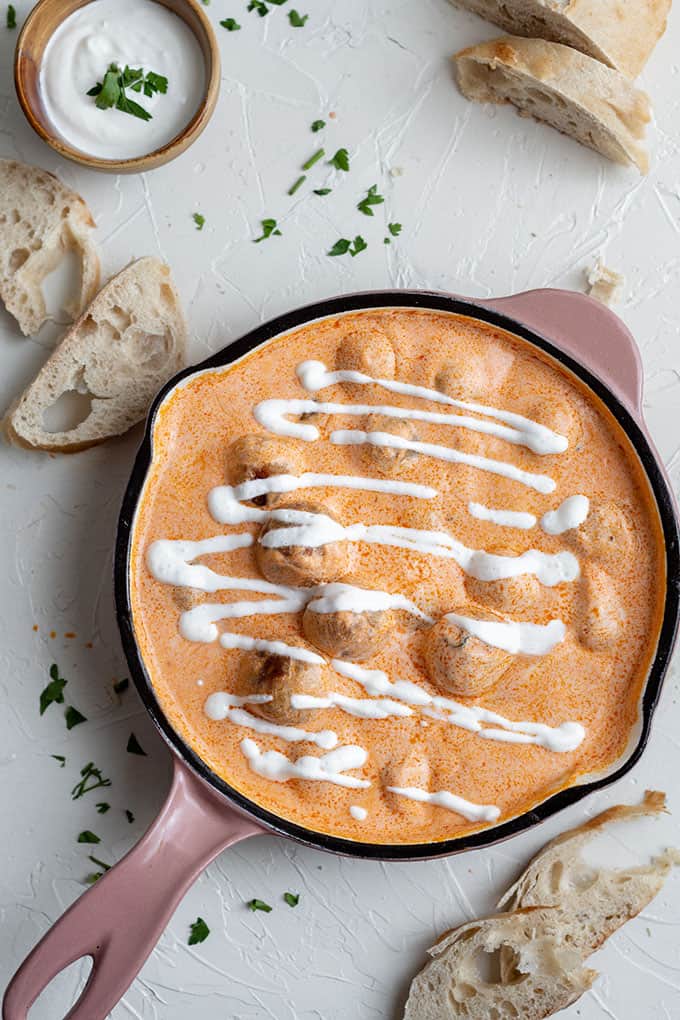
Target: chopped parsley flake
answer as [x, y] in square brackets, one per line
[92, 779]
[129, 815]
[54, 692]
[298, 184]
[102, 807]
[88, 837]
[269, 229]
[297, 20]
[344, 245]
[199, 220]
[11, 16]
[319, 154]
[231, 25]
[199, 932]
[322, 191]
[257, 5]
[394, 229]
[121, 685]
[372, 198]
[60, 758]
[318, 125]
[292, 899]
[134, 747]
[73, 717]
[340, 160]
[258, 905]
[100, 864]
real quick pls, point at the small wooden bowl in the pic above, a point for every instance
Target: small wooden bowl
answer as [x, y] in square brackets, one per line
[38, 28]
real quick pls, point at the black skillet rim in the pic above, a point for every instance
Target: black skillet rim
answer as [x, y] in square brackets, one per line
[486, 837]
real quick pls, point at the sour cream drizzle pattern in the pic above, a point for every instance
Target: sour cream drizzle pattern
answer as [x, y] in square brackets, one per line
[172, 563]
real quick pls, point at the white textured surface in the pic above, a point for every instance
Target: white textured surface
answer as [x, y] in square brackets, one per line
[490, 204]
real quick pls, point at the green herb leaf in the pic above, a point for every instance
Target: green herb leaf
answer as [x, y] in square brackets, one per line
[269, 229]
[292, 899]
[319, 154]
[258, 905]
[387, 240]
[102, 807]
[298, 184]
[134, 747]
[129, 815]
[318, 125]
[92, 779]
[394, 229]
[121, 685]
[199, 220]
[259, 6]
[11, 16]
[100, 864]
[60, 758]
[107, 91]
[73, 717]
[322, 191]
[155, 83]
[358, 245]
[231, 25]
[127, 105]
[199, 932]
[111, 92]
[340, 160]
[297, 20]
[54, 692]
[92, 877]
[372, 198]
[340, 247]
[88, 837]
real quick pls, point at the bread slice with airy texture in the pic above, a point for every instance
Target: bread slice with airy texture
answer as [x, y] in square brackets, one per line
[456, 982]
[617, 32]
[604, 284]
[594, 902]
[124, 347]
[40, 221]
[574, 93]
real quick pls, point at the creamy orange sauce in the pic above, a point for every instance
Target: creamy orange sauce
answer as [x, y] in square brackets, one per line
[588, 678]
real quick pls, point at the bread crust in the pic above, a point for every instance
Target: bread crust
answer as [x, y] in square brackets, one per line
[574, 93]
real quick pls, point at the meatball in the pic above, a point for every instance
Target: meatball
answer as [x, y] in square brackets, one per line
[409, 771]
[558, 413]
[607, 533]
[251, 457]
[475, 376]
[601, 616]
[300, 565]
[459, 663]
[369, 351]
[281, 677]
[509, 595]
[346, 635]
[387, 459]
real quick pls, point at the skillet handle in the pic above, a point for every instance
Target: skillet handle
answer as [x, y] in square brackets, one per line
[119, 920]
[586, 329]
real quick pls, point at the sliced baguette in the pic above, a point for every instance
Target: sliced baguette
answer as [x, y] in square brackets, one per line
[617, 32]
[604, 284]
[123, 348]
[548, 975]
[594, 901]
[41, 220]
[574, 93]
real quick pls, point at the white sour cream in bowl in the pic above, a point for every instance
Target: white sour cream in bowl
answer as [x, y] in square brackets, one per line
[141, 35]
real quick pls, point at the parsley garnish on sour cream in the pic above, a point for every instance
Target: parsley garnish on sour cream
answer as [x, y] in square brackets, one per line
[110, 93]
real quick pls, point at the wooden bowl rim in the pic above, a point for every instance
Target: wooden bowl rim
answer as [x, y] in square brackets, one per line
[151, 160]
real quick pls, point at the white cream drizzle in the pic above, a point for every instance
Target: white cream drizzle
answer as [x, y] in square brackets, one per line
[221, 706]
[314, 376]
[504, 518]
[356, 437]
[328, 768]
[250, 644]
[569, 514]
[310, 480]
[358, 813]
[363, 708]
[450, 801]
[515, 637]
[560, 739]
[346, 598]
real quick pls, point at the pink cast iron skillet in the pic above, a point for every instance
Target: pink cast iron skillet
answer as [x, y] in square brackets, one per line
[119, 920]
